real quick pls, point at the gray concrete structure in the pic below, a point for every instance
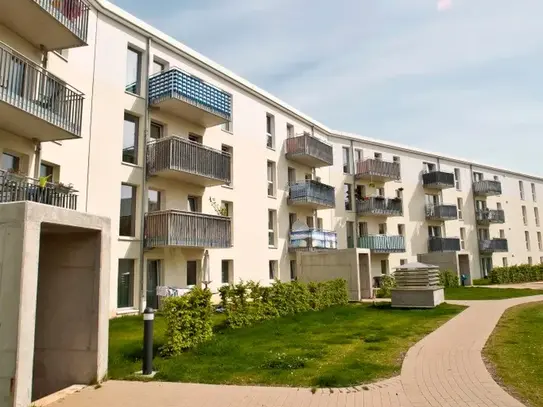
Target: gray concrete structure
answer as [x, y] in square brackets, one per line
[54, 300]
[417, 286]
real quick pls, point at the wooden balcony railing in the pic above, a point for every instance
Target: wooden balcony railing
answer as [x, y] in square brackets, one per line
[378, 170]
[309, 150]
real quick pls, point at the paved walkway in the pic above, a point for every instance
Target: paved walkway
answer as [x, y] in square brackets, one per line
[445, 369]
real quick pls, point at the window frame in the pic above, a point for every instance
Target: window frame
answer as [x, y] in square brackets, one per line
[131, 297]
[139, 69]
[270, 131]
[272, 228]
[271, 170]
[136, 121]
[133, 214]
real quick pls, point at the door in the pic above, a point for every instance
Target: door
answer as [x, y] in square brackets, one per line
[153, 280]
[192, 272]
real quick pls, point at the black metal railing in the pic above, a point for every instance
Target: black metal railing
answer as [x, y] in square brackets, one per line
[73, 14]
[487, 216]
[179, 154]
[438, 179]
[487, 187]
[16, 188]
[308, 145]
[382, 243]
[378, 168]
[379, 206]
[187, 229]
[443, 244]
[310, 191]
[493, 245]
[441, 212]
[31, 88]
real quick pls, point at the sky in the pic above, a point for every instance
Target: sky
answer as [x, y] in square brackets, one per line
[459, 77]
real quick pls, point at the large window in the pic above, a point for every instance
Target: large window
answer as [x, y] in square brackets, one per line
[154, 200]
[346, 160]
[133, 71]
[130, 139]
[10, 162]
[46, 171]
[272, 269]
[270, 131]
[348, 193]
[157, 131]
[127, 221]
[125, 283]
[192, 272]
[521, 189]
[226, 271]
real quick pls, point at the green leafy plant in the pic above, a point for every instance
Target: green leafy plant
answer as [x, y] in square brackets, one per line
[521, 273]
[448, 279]
[188, 321]
[221, 210]
[388, 282]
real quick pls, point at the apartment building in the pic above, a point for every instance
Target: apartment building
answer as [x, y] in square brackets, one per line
[99, 112]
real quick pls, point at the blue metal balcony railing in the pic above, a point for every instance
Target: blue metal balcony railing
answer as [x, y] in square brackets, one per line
[313, 239]
[73, 14]
[312, 192]
[382, 243]
[175, 83]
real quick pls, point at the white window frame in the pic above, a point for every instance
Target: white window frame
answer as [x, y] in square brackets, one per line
[271, 172]
[463, 238]
[521, 190]
[270, 132]
[272, 231]
[536, 216]
[534, 193]
[524, 215]
[457, 177]
[272, 269]
[460, 207]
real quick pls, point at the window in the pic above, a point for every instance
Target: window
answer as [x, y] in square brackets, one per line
[457, 179]
[480, 205]
[195, 138]
[64, 53]
[158, 66]
[432, 199]
[10, 162]
[530, 260]
[504, 261]
[319, 223]
[378, 156]
[460, 204]
[534, 195]
[130, 139]
[229, 151]
[125, 283]
[434, 231]
[539, 242]
[483, 234]
[384, 266]
[157, 131]
[291, 175]
[226, 271]
[348, 192]
[271, 178]
[360, 192]
[486, 266]
[536, 216]
[428, 167]
[309, 222]
[194, 203]
[272, 216]
[133, 71]
[346, 160]
[154, 200]
[382, 228]
[527, 239]
[227, 126]
[290, 130]
[496, 178]
[401, 229]
[192, 273]
[524, 216]
[521, 189]
[46, 171]
[399, 193]
[502, 234]
[350, 234]
[402, 262]
[270, 131]
[292, 218]
[463, 238]
[154, 279]
[381, 192]
[127, 221]
[362, 228]
[396, 159]
[272, 267]
[227, 208]
[293, 269]
[498, 206]
[477, 176]
[358, 156]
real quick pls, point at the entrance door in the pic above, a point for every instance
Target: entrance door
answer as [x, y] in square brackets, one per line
[192, 273]
[153, 280]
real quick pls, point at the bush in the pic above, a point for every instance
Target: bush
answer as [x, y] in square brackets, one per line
[246, 303]
[387, 284]
[522, 273]
[188, 321]
[448, 279]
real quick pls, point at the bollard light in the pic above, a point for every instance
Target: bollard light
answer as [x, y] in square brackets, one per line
[148, 321]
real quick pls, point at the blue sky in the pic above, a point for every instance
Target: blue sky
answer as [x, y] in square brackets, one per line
[462, 79]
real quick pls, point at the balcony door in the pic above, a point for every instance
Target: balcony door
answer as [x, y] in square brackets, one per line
[192, 273]
[486, 266]
[154, 268]
[432, 199]
[483, 234]
[480, 205]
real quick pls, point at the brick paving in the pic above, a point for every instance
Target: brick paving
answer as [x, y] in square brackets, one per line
[445, 369]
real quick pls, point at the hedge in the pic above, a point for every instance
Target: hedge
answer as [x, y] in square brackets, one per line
[522, 273]
[448, 279]
[248, 302]
[388, 282]
[188, 321]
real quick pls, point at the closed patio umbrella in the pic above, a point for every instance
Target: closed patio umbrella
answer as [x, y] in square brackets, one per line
[207, 274]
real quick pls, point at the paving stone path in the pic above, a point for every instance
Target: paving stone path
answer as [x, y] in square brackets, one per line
[445, 369]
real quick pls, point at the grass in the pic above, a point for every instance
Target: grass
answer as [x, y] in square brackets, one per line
[485, 293]
[481, 281]
[340, 346]
[515, 351]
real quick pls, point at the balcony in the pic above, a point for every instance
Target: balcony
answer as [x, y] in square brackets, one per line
[487, 188]
[173, 228]
[443, 244]
[34, 103]
[311, 194]
[312, 240]
[489, 216]
[378, 170]
[441, 212]
[190, 98]
[310, 151]
[382, 243]
[493, 245]
[379, 206]
[16, 188]
[55, 24]
[438, 180]
[184, 160]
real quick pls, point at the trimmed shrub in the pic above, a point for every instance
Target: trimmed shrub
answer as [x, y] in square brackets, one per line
[522, 273]
[448, 279]
[246, 303]
[188, 321]
[388, 282]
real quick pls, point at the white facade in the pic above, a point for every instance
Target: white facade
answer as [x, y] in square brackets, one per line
[93, 163]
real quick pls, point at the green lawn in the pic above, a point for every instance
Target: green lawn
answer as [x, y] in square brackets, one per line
[484, 293]
[340, 346]
[515, 350]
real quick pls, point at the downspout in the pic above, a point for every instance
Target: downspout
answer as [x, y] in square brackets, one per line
[144, 194]
[37, 143]
[444, 228]
[353, 169]
[475, 217]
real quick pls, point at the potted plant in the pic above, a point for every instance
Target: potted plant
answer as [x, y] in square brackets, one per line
[219, 209]
[64, 188]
